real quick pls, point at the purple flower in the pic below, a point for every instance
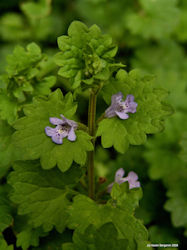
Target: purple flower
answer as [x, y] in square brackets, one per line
[121, 108]
[64, 128]
[131, 178]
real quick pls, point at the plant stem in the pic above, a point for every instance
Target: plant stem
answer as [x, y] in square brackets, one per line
[91, 129]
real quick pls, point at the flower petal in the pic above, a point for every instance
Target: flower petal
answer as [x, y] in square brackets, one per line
[50, 131]
[132, 107]
[132, 176]
[129, 98]
[122, 115]
[119, 174]
[110, 112]
[55, 121]
[134, 184]
[57, 139]
[71, 123]
[72, 135]
[116, 98]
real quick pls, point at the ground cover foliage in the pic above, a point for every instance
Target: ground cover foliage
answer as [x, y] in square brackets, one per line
[49, 65]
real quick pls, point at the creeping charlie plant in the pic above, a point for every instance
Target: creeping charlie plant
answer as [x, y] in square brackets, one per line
[51, 152]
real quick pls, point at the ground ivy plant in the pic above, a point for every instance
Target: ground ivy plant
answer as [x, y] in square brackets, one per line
[49, 186]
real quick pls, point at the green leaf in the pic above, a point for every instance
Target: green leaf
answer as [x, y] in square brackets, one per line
[180, 30]
[6, 147]
[147, 120]
[43, 195]
[25, 234]
[166, 146]
[177, 203]
[85, 211]
[125, 197]
[36, 10]
[4, 245]
[32, 142]
[183, 153]
[13, 27]
[113, 134]
[54, 240]
[106, 237]
[155, 14]
[27, 75]
[168, 63]
[8, 108]
[22, 60]
[5, 209]
[86, 54]
[28, 237]
[111, 16]
[44, 86]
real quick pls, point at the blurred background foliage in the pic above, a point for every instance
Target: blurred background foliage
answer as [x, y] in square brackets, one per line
[152, 36]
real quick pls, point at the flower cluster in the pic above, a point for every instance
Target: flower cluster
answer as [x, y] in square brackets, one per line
[132, 179]
[121, 108]
[64, 128]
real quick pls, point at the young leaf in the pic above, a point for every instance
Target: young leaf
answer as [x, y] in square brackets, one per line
[86, 55]
[149, 115]
[14, 28]
[32, 142]
[22, 60]
[43, 195]
[23, 80]
[36, 10]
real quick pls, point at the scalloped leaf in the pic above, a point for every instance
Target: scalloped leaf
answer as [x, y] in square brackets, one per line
[32, 143]
[85, 211]
[147, 120]
[43, 195]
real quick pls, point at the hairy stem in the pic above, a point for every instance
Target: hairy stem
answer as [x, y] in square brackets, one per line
[91, 129]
